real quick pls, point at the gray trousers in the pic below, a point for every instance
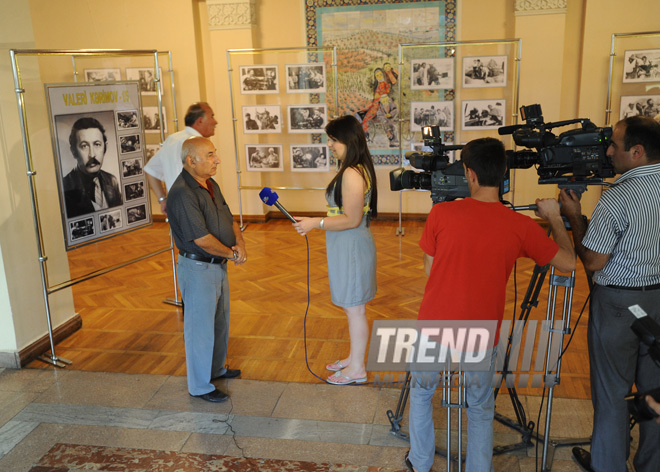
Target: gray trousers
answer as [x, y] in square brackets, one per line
[205, 293]
[618, 359]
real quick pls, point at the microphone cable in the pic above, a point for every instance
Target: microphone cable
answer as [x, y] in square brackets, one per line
[305, 334]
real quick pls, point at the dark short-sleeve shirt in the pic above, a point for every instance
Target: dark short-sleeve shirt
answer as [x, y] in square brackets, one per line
[194, 214]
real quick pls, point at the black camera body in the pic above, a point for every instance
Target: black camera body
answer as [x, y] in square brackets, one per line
[574, 158]
[445, 180]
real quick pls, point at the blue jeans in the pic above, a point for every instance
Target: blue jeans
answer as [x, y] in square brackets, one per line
[205, 293]
[481, 410]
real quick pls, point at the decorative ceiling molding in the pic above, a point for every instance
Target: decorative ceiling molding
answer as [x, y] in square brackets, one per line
[231, 14]
[539, 7]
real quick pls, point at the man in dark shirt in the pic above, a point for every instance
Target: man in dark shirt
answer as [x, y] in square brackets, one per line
[87, 188]
[207, 237]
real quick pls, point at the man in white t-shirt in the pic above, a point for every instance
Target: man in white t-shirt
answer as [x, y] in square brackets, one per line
[166, 165]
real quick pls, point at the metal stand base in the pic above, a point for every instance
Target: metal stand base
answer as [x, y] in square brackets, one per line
[401, 231]
[172, 301]
[54, 360]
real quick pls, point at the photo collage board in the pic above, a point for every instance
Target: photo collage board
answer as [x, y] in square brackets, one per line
[467, 90]
[149, 116]
[281, 114]
[635, 77]
[99, 147]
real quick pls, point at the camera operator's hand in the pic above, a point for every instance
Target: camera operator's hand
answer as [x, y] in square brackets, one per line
[655, 406]
[547, 208]
[570, 204]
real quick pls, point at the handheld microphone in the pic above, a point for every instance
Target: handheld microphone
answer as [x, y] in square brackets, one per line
[270, 198]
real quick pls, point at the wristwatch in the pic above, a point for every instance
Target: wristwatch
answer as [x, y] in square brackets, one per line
[235, 255]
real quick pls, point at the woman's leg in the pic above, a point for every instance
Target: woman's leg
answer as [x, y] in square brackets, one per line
[358, 330]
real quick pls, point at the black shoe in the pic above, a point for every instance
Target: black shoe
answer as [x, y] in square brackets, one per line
[229, 374]
[407, 461]
[216, 396]
[583, 458]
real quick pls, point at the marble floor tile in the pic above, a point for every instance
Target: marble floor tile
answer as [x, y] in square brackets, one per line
[346, 403]
[193, 422]
[11, 403]
[104, 389]
[87, 415]
[13, 432]
[30, 380]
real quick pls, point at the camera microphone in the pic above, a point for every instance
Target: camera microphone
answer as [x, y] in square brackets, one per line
[648, 331]
[502, 130]
[270, 198]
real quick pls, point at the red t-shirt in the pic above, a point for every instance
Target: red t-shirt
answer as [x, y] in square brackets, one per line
[474, 246]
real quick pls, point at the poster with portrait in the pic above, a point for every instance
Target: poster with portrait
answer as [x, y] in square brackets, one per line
[146, 77]
[264, 157]
[432, 74]
[310, 158]
[305, 78]
[641, 66]
[484, 71]
[259, 79]
[439, 114]
[482, 114]
[99, 157]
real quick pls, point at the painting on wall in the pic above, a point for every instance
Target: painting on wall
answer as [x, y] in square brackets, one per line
[367, 34]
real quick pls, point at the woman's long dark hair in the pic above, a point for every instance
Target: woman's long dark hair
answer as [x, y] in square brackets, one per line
[348, 131]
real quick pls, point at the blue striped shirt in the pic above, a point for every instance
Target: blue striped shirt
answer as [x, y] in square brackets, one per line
[626, 225]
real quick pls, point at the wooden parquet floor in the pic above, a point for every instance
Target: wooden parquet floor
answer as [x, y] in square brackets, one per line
[127, 327]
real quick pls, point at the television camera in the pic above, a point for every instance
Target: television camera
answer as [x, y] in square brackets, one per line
[445, 180]
[574, 159]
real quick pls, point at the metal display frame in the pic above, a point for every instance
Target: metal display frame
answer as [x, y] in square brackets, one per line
[643, 36]
[48, 289]
[237, 103]
[458, 50]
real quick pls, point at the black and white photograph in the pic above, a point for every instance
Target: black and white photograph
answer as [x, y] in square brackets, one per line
[633, 105]
[146, 77]
[90, 168]
[264, 157]
[110, 221]
[127, 119]
[102, 75]
[432, 74]
[130, 143]
[310, 158]
[134, 191]
[92, 153]
[131, 167]
[432, 114]
[136, 214]
[484, 71]
[151, 119]
[262, 119]
[305, 78]
[482, 114]
[307, 118]
[151, 150]
[259, 79]
[81, 229]
[641, 66]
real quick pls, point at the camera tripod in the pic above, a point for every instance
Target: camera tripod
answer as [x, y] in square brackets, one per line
[557, 329]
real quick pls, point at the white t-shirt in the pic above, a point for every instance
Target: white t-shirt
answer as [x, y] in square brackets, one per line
[166, 165]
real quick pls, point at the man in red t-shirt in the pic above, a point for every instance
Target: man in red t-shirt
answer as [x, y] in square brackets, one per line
[470, 247]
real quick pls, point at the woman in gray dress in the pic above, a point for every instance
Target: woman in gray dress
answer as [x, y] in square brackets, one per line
[352, 200]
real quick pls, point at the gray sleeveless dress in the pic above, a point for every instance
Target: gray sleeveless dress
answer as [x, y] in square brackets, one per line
[351, 261]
